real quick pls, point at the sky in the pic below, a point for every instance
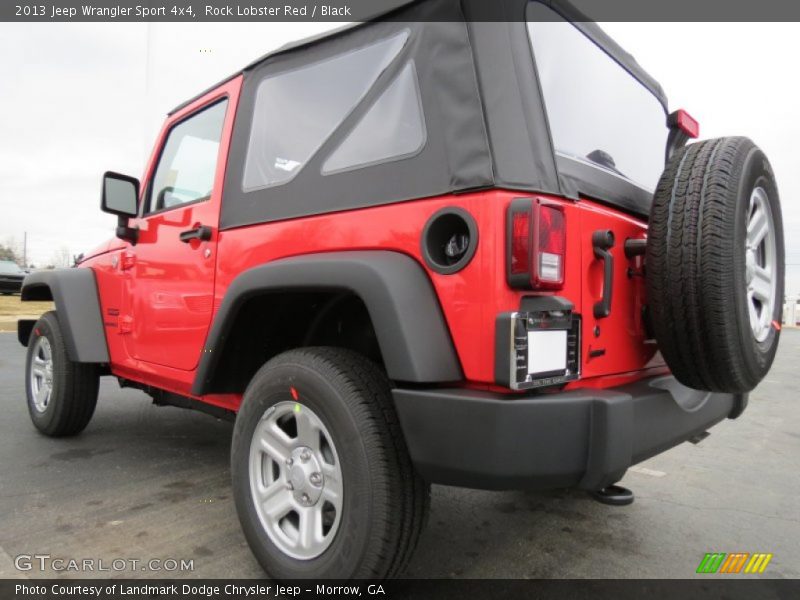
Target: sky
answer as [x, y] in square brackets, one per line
[78, 99]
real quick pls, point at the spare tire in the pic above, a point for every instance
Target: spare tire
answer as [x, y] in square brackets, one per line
[715, 265]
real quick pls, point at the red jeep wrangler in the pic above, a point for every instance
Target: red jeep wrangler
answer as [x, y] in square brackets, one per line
[419, 250]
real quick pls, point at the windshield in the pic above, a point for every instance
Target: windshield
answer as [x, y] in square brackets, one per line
[8, 268]
[599, 113]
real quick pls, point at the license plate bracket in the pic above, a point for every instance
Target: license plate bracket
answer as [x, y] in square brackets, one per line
[537, 349]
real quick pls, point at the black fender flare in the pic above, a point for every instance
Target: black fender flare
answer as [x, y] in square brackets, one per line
[74, 292]
[412, 333]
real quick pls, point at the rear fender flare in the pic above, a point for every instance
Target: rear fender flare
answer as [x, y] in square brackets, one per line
[411, 330]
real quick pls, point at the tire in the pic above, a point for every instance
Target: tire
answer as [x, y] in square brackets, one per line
[700, 269]
[72, 398]
[382, 509]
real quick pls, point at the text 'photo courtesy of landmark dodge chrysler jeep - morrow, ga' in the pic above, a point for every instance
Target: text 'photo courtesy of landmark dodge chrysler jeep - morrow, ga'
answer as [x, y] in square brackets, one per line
[417, 251]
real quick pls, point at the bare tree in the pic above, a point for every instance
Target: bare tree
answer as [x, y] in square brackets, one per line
[62, 257]
[11, 250]
[8, 253]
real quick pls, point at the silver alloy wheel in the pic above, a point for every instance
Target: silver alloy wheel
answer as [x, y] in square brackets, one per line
[41, 373]
[761, 264]
[296, 480]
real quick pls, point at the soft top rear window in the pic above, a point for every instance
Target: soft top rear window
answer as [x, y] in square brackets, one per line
[599, 113]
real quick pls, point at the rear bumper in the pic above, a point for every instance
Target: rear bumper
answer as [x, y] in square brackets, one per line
[583, 438]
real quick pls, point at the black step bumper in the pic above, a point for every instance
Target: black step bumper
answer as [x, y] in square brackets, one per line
[584, 438]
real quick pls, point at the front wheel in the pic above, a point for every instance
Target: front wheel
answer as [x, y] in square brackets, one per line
[323, 483]
[62, 394]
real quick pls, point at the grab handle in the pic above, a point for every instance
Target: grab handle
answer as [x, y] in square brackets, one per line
[602, 242]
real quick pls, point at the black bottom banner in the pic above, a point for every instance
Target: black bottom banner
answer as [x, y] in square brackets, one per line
[457, 589]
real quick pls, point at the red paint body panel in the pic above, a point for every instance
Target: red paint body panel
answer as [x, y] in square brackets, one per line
[157, 296]
[471, 298]
[160, 296]
[621, 335]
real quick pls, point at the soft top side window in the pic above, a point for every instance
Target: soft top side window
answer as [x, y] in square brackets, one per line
[599, 113]
[393, 128]
[188, 162]
[296, 111]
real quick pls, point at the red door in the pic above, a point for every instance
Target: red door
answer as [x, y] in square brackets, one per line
[170, 271]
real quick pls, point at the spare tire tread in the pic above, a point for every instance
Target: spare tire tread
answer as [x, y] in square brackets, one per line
[716, 259]
[693, 253]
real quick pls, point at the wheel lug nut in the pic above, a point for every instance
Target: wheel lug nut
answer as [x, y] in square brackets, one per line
[305, 499]
[304, 456]
[315, 478]
[289, 485]
[289, 462]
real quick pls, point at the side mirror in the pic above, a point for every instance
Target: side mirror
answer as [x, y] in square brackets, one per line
[121, 197]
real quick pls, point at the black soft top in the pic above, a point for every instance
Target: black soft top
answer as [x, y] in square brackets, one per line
[493, 10]
[484, 114]
[562, 7]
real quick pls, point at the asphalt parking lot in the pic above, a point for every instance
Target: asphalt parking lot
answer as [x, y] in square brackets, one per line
[147, 482]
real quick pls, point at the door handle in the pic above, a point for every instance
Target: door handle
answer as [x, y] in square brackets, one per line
[602, 242]
[201, 232]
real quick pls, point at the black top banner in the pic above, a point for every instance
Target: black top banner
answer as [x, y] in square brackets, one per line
[188, 11]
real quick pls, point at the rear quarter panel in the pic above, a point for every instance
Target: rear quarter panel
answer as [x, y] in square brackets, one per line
[471, 298]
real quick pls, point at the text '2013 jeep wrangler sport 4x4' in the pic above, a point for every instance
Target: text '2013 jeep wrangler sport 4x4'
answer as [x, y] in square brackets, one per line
[420, 250]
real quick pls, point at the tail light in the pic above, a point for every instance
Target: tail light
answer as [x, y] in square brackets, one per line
[521, 243]
[682, 120]
[682, 127]
[537, 244]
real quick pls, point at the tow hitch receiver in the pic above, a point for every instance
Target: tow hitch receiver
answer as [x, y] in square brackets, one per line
[699, 437]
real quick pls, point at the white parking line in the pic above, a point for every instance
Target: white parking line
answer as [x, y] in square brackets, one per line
[646, 471]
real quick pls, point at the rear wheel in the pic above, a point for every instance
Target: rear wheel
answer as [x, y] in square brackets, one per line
[323, 483]
[62, 394]
[715, 265]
